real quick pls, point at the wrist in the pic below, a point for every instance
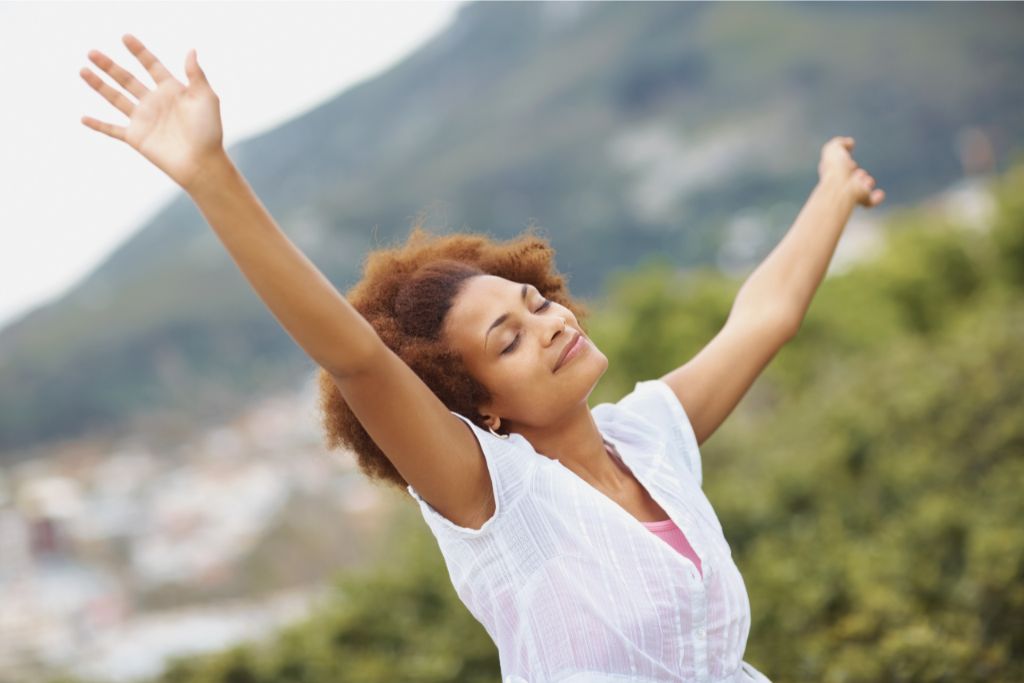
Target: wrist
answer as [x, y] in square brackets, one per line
[838, 188]
[212, 173]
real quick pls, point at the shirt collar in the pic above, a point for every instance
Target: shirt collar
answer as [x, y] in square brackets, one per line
[636, 441]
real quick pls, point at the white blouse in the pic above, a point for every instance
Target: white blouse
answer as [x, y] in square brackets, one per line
[572, 587]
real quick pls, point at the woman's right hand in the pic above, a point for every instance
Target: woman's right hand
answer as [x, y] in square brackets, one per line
[175, 126]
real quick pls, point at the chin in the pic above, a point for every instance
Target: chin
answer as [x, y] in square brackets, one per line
[596, 365]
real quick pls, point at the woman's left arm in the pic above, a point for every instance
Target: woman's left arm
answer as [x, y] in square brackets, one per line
[771, 304]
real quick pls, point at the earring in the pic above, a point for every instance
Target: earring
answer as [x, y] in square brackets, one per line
[500, 436]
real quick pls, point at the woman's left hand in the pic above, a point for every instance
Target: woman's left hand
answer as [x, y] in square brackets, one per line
[837, 163]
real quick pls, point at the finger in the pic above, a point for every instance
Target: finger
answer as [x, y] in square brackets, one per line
[122, 76]
[876, 197]
[195, 73]
[847, 142]
[865, 178]
[116, 132]
[123, 104]
[146, 58]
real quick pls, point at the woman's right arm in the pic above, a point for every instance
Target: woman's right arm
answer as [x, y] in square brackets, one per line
[303, 300]
[177, 127]
[431, 448]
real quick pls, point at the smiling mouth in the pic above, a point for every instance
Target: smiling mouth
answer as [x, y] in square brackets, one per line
[576, 340]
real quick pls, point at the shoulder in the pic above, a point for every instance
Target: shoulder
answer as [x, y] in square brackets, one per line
[507, 463]
[651, 410]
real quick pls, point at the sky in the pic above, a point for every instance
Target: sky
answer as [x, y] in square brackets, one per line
[69, 195]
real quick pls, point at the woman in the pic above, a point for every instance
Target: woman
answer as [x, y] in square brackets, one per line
[458, 368]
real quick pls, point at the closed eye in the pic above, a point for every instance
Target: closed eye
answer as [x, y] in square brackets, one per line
[515, 342]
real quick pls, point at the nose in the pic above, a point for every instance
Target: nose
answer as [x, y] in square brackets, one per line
[559, 325]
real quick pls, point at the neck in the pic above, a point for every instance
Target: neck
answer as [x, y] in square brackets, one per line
[576, 442]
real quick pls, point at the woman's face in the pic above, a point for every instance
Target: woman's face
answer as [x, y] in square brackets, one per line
[512, 344]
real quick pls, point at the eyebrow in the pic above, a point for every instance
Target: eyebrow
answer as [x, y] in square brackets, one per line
[502, 318]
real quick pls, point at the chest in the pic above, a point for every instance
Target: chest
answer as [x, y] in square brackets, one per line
[638, 502]
[645, 499]
[633, 497]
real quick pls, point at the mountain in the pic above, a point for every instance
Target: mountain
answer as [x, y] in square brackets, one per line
[624, 130]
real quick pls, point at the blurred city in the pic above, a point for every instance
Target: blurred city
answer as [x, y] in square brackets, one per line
[116, 555]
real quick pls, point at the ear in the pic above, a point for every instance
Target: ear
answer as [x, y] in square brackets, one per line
[488, 415]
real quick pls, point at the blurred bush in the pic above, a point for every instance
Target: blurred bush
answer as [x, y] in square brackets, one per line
[869, 485]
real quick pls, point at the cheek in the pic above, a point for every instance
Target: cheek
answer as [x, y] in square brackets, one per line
[518, 366]
[520, 380]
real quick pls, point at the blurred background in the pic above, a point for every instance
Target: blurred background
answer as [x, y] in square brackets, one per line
[167, 509]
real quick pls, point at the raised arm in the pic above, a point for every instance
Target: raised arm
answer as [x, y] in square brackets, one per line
[177, 127]
[772, 302]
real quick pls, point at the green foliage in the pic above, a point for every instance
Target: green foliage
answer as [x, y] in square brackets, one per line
[653, 315]
[1008, 230]
[883, 539]
[871, 498]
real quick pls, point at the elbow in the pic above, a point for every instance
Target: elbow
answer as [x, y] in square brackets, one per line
[788, 324]
[355, 364]
[356, 360]
[774, 315]
[781, 324]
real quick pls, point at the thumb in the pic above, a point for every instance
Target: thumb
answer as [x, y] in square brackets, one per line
[193, 71]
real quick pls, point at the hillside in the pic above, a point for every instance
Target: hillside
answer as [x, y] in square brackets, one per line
[622, 129]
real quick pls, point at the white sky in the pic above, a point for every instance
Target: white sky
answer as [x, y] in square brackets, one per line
[70, 195]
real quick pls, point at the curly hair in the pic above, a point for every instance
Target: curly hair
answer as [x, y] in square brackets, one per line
[405, 294]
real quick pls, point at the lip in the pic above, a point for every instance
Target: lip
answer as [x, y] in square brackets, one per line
[571, 350]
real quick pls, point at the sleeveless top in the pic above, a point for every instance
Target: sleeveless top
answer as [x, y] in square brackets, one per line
[571, 587]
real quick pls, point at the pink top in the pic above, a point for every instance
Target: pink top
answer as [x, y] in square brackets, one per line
[667, 531]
